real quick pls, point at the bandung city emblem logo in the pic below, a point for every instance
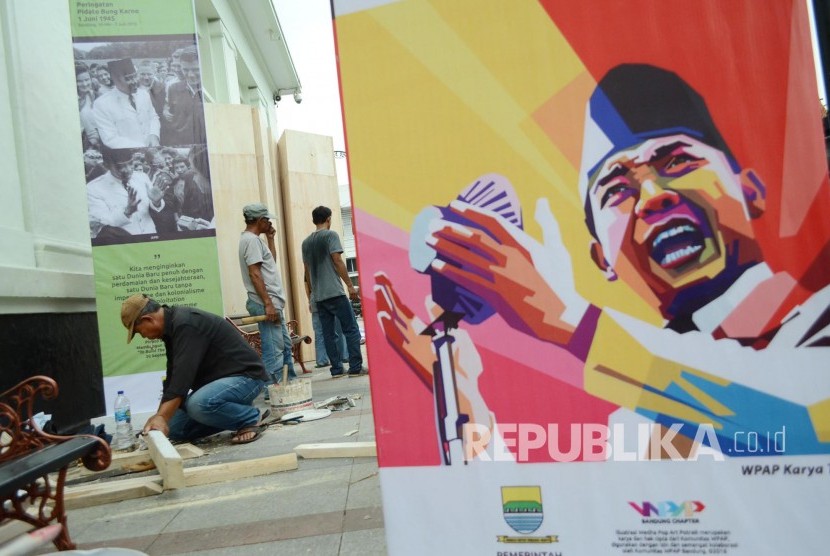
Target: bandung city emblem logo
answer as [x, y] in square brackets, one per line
[523, 511]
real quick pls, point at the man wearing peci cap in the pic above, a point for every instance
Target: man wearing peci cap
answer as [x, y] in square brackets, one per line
[213, 375]
[265, 292]
[122, 202]
[125, 115]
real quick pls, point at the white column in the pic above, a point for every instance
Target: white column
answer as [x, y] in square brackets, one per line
[45, 261]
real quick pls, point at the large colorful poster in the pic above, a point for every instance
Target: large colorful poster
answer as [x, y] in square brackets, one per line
[151, 215]
[593, 241]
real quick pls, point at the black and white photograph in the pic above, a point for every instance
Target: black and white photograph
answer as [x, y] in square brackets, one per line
[146, 194]
[140, 93]
[144, 146]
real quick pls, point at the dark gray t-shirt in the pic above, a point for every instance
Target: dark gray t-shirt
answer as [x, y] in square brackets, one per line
[317, 250]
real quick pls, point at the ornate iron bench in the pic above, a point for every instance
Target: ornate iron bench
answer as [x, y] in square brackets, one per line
[28, 456]
[251, 335]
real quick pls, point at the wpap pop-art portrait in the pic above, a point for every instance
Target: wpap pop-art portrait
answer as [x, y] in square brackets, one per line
[571, 230]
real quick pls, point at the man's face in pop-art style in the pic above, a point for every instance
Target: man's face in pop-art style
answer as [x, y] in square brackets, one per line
[669, 208]
[670, 212]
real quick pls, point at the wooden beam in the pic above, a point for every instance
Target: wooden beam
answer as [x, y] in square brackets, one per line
[111, 491]
[130, 461]
[167, 460]
[219, 472]
[126, 489]
[337, 450]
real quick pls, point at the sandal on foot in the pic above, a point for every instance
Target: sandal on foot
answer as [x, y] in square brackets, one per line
[256, 430]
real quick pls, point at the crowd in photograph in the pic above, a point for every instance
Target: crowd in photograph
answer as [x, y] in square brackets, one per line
[145, 155]
[125, 103]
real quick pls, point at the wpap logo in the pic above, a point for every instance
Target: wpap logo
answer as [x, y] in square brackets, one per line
[669, 511]
[523, 511]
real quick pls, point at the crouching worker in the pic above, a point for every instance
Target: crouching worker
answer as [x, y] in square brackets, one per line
[213, 375]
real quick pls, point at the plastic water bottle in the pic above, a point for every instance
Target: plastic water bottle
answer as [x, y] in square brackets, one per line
[123, 439]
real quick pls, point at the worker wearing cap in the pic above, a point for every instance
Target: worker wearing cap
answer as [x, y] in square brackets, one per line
[266, 296]
[213, 375]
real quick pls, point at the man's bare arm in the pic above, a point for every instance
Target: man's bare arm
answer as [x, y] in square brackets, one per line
[255, 273]
[159, 421]
[340, 266]
[269, 236]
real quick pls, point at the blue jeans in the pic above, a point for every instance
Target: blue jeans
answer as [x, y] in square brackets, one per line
[221, 405]
[340, 308]
[276, 343]
[320, 344]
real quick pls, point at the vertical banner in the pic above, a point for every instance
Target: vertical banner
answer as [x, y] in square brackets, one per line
[151, 217]
[593, 241]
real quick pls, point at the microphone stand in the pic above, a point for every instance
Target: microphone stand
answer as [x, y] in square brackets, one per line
[450, 421]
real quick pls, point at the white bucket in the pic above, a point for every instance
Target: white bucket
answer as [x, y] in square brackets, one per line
[290, 396]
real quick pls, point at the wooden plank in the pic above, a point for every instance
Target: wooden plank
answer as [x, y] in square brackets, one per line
[167, 460]
[111, 491]
[129, 461]
[188, 451]
[126, 489]
[337, 450]
[219, 472]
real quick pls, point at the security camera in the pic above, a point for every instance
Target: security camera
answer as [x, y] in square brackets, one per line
[298, 97]
[277, 98]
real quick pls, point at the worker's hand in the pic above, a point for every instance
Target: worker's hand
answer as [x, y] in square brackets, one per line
[156, 423]
[271, 231]
[272, 314]
[353, 295]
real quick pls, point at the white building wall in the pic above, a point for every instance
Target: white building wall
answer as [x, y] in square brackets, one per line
[45, 257]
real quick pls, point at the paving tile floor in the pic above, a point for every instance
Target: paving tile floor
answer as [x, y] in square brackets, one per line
[326, 507]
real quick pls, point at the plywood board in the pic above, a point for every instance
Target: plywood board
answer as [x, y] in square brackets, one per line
[337, 450]
[308, 179]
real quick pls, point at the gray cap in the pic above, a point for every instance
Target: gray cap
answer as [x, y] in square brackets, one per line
[256, 210]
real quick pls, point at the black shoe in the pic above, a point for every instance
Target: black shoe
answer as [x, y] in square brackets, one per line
[341, 374]
[362, 372]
